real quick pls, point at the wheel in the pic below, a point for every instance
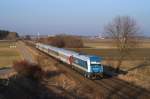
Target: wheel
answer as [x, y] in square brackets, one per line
[102, 75]
[85, 75]
[89, 76]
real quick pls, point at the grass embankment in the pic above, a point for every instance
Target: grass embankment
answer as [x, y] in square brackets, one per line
[7, 54]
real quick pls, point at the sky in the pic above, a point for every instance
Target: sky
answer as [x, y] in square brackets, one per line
[81, 17]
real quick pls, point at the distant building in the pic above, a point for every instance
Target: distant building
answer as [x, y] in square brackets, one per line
[51, 35]
[100, 36]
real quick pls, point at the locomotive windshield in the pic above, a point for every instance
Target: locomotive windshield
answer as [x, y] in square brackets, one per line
[96, 68]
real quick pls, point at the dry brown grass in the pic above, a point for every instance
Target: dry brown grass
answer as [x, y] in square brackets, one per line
[7, 54]
[138, 77]
[102, 45]
[106, 44]
[137, 72]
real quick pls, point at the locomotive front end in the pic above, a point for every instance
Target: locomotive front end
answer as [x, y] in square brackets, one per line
[96, 68]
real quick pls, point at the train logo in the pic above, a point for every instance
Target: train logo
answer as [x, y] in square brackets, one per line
[70, 59]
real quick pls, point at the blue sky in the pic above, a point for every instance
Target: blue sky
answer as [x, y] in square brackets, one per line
[86, 17]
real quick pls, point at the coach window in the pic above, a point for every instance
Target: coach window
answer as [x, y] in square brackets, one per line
[80, 62]
[85, 64]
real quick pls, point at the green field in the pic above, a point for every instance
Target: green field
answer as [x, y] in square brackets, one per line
[7, 54]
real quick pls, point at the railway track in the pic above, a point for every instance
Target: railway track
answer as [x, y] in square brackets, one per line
[123, 89]
[110, 88]
[135, 90]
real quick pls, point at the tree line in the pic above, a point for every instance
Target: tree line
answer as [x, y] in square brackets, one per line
[7, 35]
[67, 41]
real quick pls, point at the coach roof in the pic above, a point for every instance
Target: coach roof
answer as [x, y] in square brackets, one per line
[75, 54]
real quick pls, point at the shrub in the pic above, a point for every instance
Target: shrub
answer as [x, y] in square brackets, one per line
[73, 42]
[27, 69]
[57, 41]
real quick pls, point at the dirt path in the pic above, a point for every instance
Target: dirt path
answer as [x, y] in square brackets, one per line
[25, 52]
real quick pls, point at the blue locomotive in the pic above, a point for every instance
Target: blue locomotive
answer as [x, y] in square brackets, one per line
[89, 65]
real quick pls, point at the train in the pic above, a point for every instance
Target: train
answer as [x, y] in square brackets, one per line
[88, 65]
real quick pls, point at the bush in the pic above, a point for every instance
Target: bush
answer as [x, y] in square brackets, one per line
[57, 41]
[73, 42]
[26, 69]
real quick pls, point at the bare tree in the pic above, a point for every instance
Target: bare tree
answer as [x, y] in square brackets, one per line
[124, 31]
